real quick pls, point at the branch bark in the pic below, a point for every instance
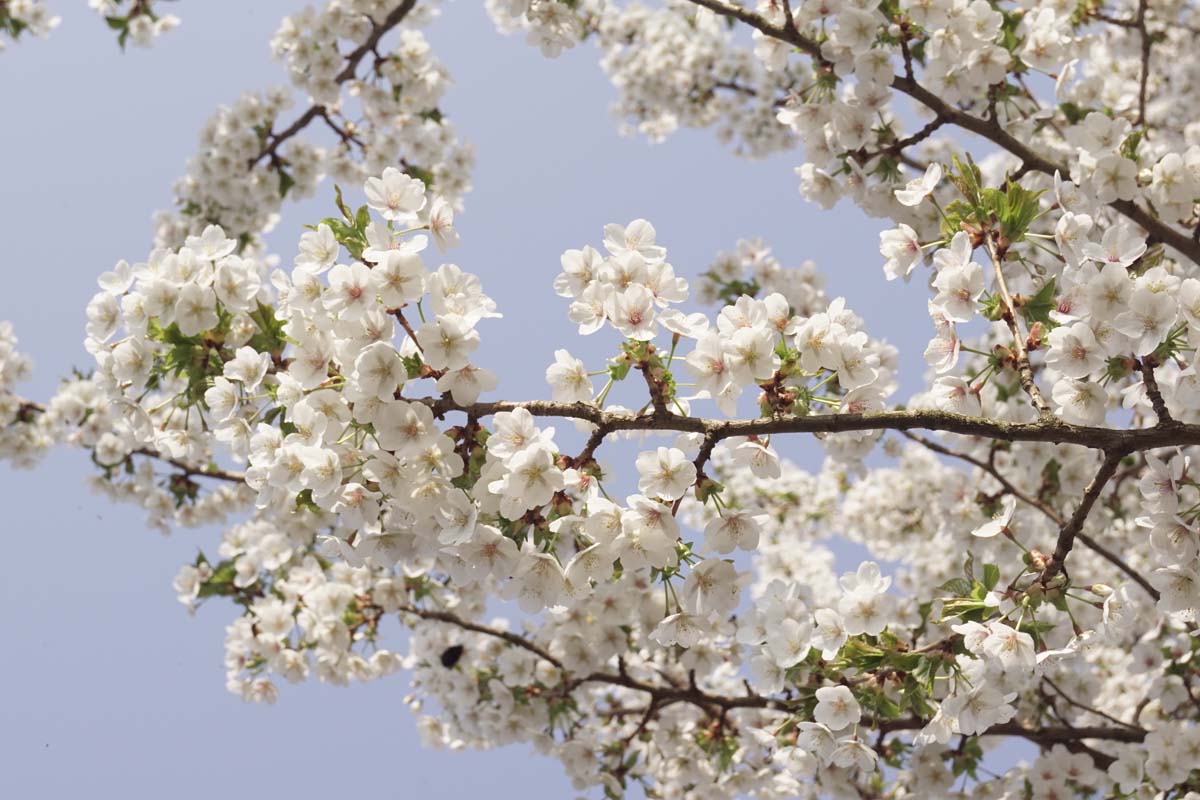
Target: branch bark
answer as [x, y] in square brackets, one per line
[1051, 430]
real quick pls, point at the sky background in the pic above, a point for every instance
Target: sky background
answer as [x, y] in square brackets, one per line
[110, 689]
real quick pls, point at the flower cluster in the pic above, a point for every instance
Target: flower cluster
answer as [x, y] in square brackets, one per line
[682, 621]
[20, 436]
[25, 16]
[134, 21]
[249, 161]
[551, 26]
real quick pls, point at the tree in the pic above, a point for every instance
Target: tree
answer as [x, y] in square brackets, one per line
[1034, 510]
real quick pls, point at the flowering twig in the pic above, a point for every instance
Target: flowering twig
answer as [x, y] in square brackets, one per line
[985, 128]
[378, 31]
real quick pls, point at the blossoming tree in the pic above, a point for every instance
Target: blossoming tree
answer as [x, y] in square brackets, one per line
[1032, 515]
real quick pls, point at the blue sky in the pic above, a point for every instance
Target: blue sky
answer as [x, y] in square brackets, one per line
[110, 688]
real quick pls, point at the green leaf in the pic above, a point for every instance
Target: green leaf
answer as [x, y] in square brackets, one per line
[305, 500]
[221, 582]
[1017, 208]
[1073, 112]
[967, 178]
[286, 182]
[968, 609]
[1129, 147]
[958, 587]
[421, 174]
[991, 576]
[412, 365]
[1038, 307]
[341, 204]
[619, 370]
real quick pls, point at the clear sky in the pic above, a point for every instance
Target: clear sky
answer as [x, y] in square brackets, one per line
[109, 688]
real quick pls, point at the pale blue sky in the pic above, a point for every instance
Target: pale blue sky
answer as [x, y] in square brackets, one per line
[110, 689]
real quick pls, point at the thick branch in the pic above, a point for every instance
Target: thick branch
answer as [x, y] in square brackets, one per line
[1051, 430]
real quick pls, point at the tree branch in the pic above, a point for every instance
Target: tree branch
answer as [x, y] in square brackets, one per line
[1144, 74]
[1066, 536]
[1051, 430]
[508, 636]
[191, 470]
[664, 695]
[1146, 365]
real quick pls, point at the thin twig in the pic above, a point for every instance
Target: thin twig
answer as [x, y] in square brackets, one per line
[1066, 536]
[1024, 368]
[1049, 511]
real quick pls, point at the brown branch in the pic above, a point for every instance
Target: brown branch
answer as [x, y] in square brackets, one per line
[1051, 430]
[1118, 562]
[270, 151]
[789, 22]
[408, 328]
[1042, 736]
[508, 636]
[587, 454]
[896, 148]
[702, 456]
[1147, 365]
[1111, 20]
[990, 468]
[1088, 709]
[704, 453]
[1066, 536]
[343, 133]
[191, 470]
[993, 132]
[28, 409]
[1144, 74]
